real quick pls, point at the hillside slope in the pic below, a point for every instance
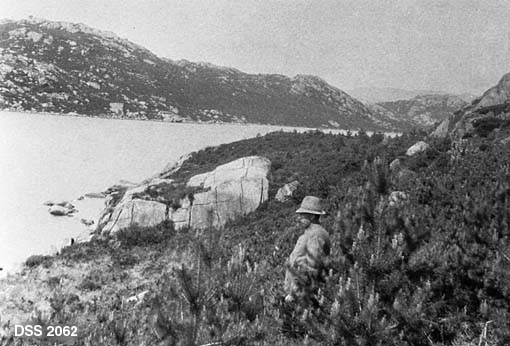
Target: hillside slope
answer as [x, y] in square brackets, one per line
[373, 95]
[433, 261]
[424, 110]
[71, 68]
[488, 115]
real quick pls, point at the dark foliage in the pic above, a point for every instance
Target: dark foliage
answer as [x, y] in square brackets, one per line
[429, 268]
[37, 260]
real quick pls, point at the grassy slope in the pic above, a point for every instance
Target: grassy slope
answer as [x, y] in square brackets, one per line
[442, 259]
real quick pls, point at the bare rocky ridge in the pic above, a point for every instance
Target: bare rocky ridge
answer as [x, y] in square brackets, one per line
[373, 95]
[489, 112]
[71, 68]
[422, 111]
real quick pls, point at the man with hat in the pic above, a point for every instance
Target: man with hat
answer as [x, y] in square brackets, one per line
[311, 250]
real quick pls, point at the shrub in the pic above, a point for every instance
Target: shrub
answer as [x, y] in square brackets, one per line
[485, 125]
[37, 260]
[146, 236]
[432, 270]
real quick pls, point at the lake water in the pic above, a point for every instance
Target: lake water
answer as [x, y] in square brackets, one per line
[50, 157]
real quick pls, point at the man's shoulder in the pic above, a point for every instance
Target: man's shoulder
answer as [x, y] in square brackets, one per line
[318, 229]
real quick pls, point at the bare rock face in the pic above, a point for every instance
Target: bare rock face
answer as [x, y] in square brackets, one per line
[173, 167]
[442, 130]
[424, 111]
[136, 212]
[130, 210]
[231, 190]
[494, 103]
[417, 148]
[496, 95]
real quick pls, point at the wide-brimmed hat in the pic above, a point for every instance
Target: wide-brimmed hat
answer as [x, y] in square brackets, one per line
[311, 205]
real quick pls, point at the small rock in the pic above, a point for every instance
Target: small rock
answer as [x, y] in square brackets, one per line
[95, 195]
[64, 204]
[58, 210]
[67, 205]
[417, 148]
[395, 165]
[286, 191]
[138, 297]
[87, 222]
[397, 198]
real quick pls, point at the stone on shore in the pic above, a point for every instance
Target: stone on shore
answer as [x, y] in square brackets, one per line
[95, 195]
[58, 210]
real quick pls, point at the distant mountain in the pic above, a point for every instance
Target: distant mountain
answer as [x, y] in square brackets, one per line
[377, 95]
[374, 95]
[489, 112]
[72, 68]
[421, 111]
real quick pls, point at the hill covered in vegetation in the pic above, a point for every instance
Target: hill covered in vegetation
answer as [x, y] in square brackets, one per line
[71, 68]
[420, 255]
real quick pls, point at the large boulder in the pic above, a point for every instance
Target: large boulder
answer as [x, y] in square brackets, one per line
[136, 212]
[231, 190]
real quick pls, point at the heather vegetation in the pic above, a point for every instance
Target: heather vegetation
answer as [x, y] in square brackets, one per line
[431, 267]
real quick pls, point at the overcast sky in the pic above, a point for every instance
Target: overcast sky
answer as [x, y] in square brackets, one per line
[454, 46]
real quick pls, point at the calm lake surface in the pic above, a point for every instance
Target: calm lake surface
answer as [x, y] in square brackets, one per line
[49, 157]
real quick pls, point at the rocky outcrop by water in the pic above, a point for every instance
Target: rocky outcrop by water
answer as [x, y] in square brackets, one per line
[136, 212]
[208, 199]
